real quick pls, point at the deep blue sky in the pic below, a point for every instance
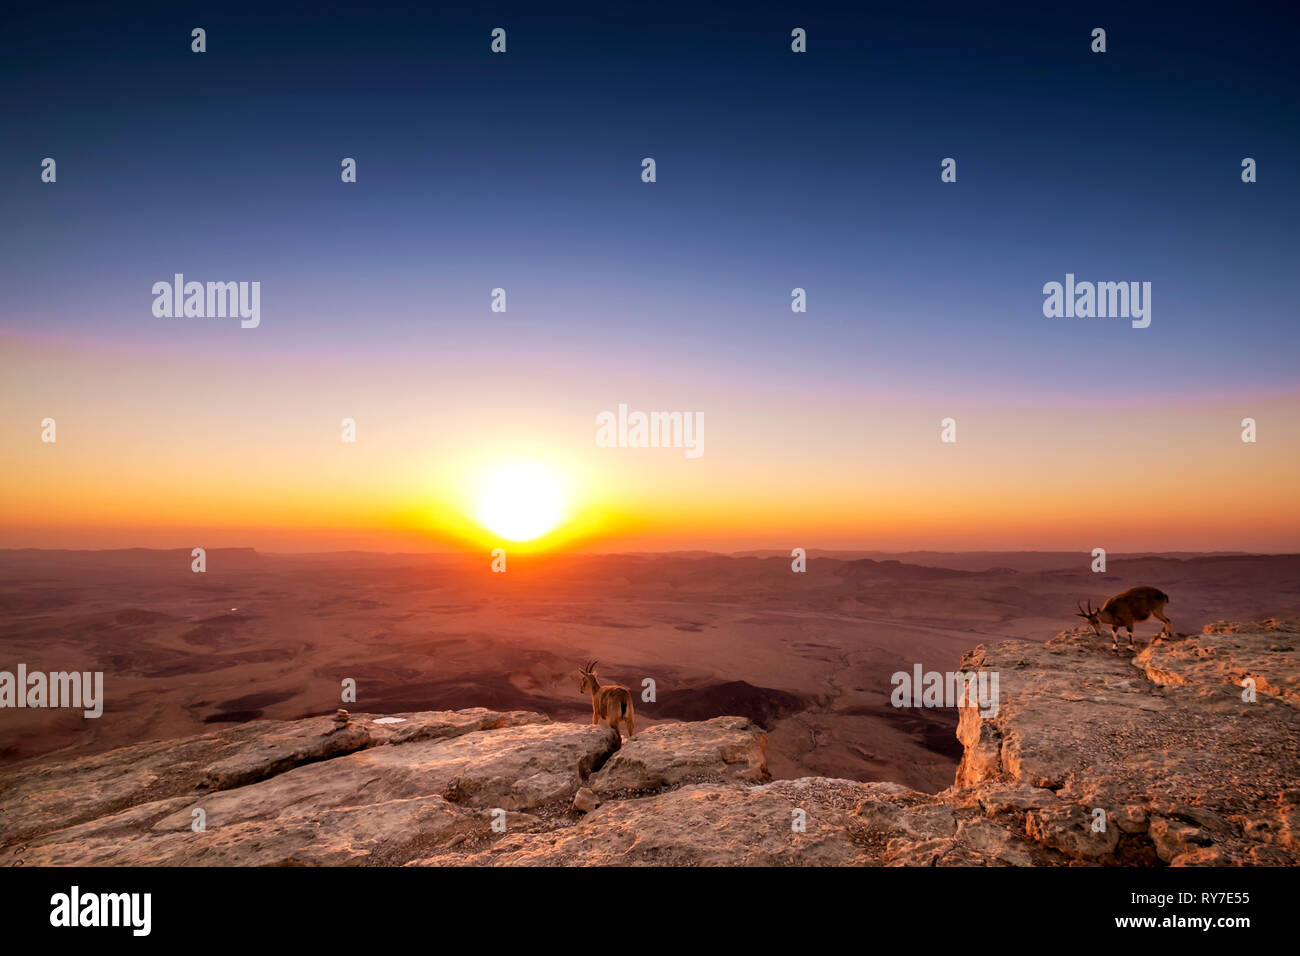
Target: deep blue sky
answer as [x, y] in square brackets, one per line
[775, 170]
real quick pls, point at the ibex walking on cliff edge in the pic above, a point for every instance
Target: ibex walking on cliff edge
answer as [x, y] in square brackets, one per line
[1125, 610]
[609, 702]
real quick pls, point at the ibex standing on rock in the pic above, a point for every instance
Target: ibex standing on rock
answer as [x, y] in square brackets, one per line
[609, 702]
[1127, 609]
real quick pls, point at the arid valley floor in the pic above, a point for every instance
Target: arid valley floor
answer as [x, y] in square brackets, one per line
[806, 656]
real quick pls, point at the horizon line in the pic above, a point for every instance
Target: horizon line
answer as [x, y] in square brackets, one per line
[745, 552]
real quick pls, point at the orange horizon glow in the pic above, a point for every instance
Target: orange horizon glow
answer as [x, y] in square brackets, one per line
[196, 451]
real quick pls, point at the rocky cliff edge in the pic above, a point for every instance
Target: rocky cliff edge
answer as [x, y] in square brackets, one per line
[1092, 757]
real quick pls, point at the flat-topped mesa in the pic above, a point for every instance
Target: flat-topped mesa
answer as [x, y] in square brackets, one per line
[1090, 757]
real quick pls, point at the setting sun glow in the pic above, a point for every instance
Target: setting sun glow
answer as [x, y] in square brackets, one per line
[521, 500]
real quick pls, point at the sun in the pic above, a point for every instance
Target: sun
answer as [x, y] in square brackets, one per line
[521, 500]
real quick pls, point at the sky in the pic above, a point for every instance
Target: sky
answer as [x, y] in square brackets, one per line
[774, 171]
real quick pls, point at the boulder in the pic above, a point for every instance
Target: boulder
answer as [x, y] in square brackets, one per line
[665, 755]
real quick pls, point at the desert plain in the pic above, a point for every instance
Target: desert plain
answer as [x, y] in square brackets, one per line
[807, 656]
